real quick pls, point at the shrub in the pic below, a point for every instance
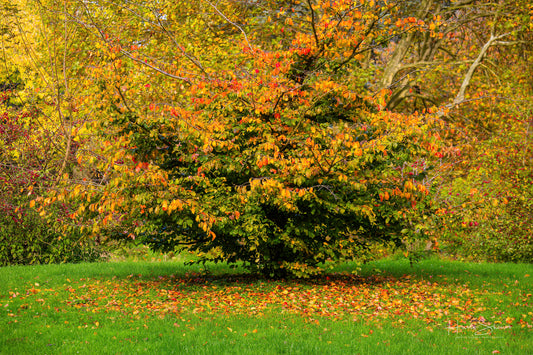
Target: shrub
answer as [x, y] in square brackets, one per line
[490, 210]
[25, 238]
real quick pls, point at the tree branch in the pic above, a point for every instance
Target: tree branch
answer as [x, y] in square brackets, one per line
[231, 22]
[161, 71]
[313, 24]
[468, 77]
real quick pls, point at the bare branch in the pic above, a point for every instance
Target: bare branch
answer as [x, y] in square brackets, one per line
[230, 22]
[468, 76]
[187, 55]
[129, 55]
[313, 23]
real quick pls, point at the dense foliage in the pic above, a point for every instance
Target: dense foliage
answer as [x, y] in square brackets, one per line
[28, 159]
[282, 134]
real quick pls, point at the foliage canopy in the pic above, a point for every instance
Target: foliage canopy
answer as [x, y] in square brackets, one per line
[282, 134]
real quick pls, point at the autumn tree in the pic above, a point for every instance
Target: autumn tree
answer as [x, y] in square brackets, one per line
[469, 63]
[38, 120]
[243, 137]
[489, 193]
[277, 133]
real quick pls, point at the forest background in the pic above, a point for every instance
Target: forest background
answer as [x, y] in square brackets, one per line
[277, 134]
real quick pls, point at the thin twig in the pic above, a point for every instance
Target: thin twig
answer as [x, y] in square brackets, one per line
[230, 22]
[313, 23]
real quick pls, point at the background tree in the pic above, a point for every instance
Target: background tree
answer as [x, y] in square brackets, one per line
[36, 134]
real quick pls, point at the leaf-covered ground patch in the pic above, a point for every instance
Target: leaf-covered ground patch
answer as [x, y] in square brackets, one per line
[337, 296]
[212, 307]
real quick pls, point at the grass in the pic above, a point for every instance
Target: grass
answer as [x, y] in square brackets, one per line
[165, 307]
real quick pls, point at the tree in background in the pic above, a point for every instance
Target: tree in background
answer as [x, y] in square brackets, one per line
[38, 119]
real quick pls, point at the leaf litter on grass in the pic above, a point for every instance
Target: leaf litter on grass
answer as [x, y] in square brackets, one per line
[339, 296]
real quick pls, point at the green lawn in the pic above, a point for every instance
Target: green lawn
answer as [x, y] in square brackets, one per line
[439, 307]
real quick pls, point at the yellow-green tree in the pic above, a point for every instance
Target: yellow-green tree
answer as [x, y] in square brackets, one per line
[39, 108]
